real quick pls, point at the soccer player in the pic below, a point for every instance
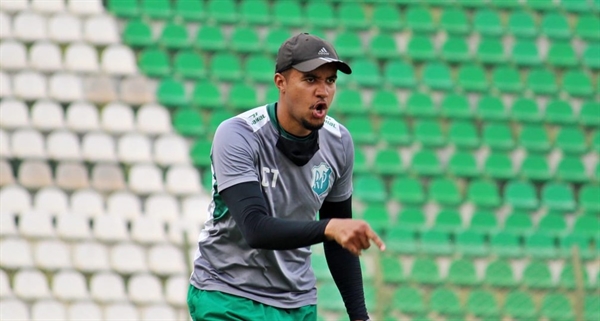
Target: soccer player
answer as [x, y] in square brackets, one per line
[274, 167]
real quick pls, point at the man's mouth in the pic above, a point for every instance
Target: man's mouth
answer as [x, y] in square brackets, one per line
[319, 109]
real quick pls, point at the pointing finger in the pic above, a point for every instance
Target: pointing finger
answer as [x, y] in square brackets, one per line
[373, 236]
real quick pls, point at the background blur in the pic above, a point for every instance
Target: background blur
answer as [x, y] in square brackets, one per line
[476, 125]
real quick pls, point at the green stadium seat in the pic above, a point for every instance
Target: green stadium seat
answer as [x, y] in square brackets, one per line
[518, 223]
[498, 137]
[217, 117]
[445, 302]
[362, 130]
[470, 243]
[576, 6]
[463, 164]
[472, 78]
[556, 306]
[259, 69]
[242, 97]
[288, 14]
[426, 163]
[589, 198]
[349, 102]
[567, 277]
[361, 164]
[506, 79]
[400, 240]
[508, 4]
[420, 105]
[255, 12]
[571, 169]
[447, 220]
[472, 3]
[366, 73]
[436, 76]
[542, 81]
[483, 194]
[487, 23]
[419, 19]
[189, 65]
[498, 166]
[394, 132]
[586, 225]
[525, 53]
[245, 40]
[137, 33]
[408, 191]
[206, 95]
[408, 299]
[595, 143]
[539, 245]
[424, 271]
[570, 140]
[174, 36]
[542, 5]
[222, 11]
[577, 84]
[188, 122]
[534, 138]
[568, 241]
[386, 17]
[491, 109]
[370, 189]
[589, 115]
[555, 26]
[455, 50]
[587, 27]
[484, 222]
[348, 45]
[399, 74]
[388, 162]
[444, 192]
[454, 21]
[124, 8]
[463, 135]
[591, 308]
[559, 112]
[519, 305]
[525, 110]
[435, 242]
[411, 219]
[535, 168]
[320, 15]
[383, 46]
[483, 304]
[319, 264]
[520, 195]
[391, 269]
[156, 9]
[521, 24]
[274, 38]
[189, 10]
[210, 38]
[562, 54]
[462, 273]
[329, 298]
[505, 245]
[552, 224]
[499, 274]
[226, 67]
[154, 63]
[385, 103]
[200, 153]
[377, 216]
[171, 93]
[490, 51]
[351, 15]
[420, 48]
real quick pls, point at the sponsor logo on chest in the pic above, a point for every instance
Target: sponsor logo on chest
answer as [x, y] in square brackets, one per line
[321, 178]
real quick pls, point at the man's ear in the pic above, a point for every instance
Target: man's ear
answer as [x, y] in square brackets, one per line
[280, 82]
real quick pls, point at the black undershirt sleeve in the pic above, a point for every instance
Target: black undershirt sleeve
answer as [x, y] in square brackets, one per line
[344, 266]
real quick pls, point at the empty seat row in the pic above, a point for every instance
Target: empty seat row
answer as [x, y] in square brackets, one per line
[82, 8]
[87, 202]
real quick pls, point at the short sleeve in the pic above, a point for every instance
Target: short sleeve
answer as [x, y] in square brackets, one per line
[342, 188]
[232, 154]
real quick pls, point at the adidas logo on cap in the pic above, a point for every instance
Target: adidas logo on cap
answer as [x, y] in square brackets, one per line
[323, 51]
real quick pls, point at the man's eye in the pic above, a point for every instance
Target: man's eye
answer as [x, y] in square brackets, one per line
[310, 79]
[331, 80]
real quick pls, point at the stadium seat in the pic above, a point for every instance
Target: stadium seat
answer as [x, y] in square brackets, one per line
[588, 199]
[437, 76]
[534, 138]
[13, 114]
[87, 202]
[411, 219]
[258, 68]
[65, 28]
[571, 169]
[525, 54]
[162, 207]
[352, 16]
[386, 17]
[590, 309]
[556, 306]
[166, 259]
[226, 67]
[242, 97]
[472, 78]
[128, 258]
[400, 240]
[435, 242]
[81, 57]
[21, 254]
[425, 271]
[518, 223]
[399, 74]
[29, 26]
[445, 302]
[383, 46]
[288, 14]
[388, 162]
[63, 146]
[69, 285]
[506, 245]
[519, 304]
[73, 227]
[5, 26]
[463, 164]
[45, 57]
[110, 229]
[6, 86]
[46, 309]
[15, 199]
[462, 273]
[81, 310]
[487, 23]
[559, 112]
[147, 231]
[498, 137]
[210, 38]
[586, 27]
[362, 130]
[275, 37]
[577, 84]
[562, 54]
[30, 85]
[90, 257]
[463, 135]
[107, 178]
[107, 287]
[329, 299]
[542, 81]
[483, 304]
[137, 33]
[155, 9]
[255, 12]
[71, 176]
[444, 192]
[52, 255]
[429, 133]
[555, 26]
[222, 12]
[31, 284]
[5, 290]
[101, 89]
[407, 190]
[520, 195]
[65, 87]
[154, 62]
[118, 60]
[420, 48]
[535, 167]
[160, 311]
[419, 19]
[206, 95]
[426, 163]
[490, 51]
[47, 115]
[14, 55]
[35, 174]
[499, 274]
[52, 200]
[134, 148]
[153, 119]
[558, 197]
[144, 289]
[392, 270]
[408, 299]
[540, 246]
[6, 173]
[245, 40]
[552, 224]
[189, 10]
[483, 194]
[470, 243]
[5, 150]
[370, 189]
[124, 205]
[506, 79]
[521, 24]
[121, 310]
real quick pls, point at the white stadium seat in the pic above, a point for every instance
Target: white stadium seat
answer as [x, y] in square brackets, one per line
[98, 147]
[48, 310]
[177, 229]
[66, 87]
[13, 309]
[100, 89]
[45, 57]
[73, 227]
[82, 117]
[36, 225]
[81, 57]
[145, 289]
[8, 225]
[5, 26]
[87, 202]
[158, 312]
[5, 291]
[118, 60]
[117, 118]
[35, 174]
[110, 229]
[176, 290]
[145, 179]
[27, 143]
[84, 310]
[195, 208]
[71, 176]
[124, 204]
[29, 26]
[21, 256]
[107, 287]
[14, 199]
[13, 114]
[183, 180]
[6, 173]
[31, 284]
[153, 119]
[52, 255]
[47, 115]
[163, 207]
[90, 257]
[14, 6]
[64, 28]
[30, 85]
[69, 285]
[171, 149]
[128, 258]
[84, 8]
[5, 150]
[148, 230]
[137, 90]
[121, 311]
[134, 148]
[101, 30]
[63, 145]
[13, 55]
[51, 200]
[48, 7]
[108, 177]
[6, 86]
[166, 259]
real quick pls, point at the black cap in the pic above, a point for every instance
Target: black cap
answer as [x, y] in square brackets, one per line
[306, 52]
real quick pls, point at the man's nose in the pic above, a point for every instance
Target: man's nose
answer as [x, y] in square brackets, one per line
[322, 91]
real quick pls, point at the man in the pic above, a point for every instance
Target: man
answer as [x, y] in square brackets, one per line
[274, 167]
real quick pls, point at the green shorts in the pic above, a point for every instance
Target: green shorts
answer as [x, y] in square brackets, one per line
[219, 306]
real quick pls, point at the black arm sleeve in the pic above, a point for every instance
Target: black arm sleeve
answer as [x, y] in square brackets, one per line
[344, 266]
[248, 208]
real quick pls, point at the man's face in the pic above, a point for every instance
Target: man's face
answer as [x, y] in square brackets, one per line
[307, 97]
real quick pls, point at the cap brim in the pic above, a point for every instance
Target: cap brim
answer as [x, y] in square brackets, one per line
[313, 64]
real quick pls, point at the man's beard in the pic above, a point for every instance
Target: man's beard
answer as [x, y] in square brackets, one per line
[310, 126]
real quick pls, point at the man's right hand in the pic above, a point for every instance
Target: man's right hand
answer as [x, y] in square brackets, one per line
[353, 235]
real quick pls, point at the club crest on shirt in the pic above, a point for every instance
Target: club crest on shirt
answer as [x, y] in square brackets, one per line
[321, 176]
